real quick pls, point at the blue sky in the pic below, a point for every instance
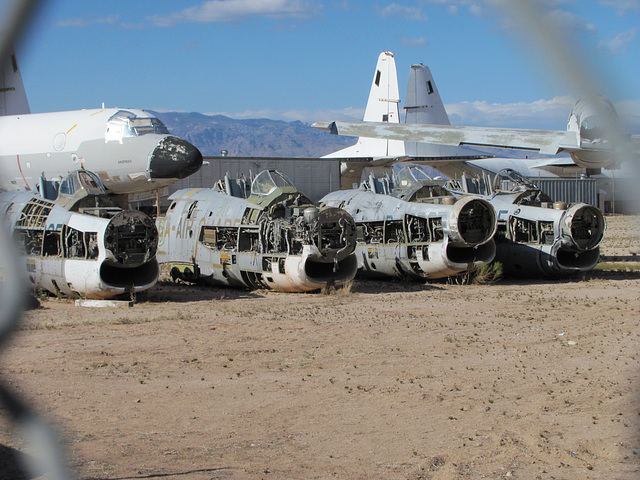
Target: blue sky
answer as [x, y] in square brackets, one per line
[313, 60]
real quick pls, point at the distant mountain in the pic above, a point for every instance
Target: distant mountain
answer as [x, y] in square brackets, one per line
[252, 138]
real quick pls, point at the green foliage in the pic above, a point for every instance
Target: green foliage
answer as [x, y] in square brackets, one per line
[487, 274]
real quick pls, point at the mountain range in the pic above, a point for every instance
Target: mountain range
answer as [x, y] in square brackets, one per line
[272, 138]
[252, 138]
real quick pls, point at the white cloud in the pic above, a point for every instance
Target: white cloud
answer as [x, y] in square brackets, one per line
[220, 11]
[476, 10]
[307, 116]
[87, 22]
[414, 42]
[541, 114]
[569, 22]
[618, 43]
[621, 6]
[475, 7]
[515, 13]
[395, 10]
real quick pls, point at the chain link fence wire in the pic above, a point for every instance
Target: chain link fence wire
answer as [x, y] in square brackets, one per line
[47, 456]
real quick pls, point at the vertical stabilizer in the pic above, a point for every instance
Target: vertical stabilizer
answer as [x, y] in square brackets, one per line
[13, 98]
[424, 106]
[382, 106]
[384, 95]
[423, 103]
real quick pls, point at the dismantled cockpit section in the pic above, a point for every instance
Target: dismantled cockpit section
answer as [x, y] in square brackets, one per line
[410, 226]
[99, 255]
[536, 236]
[267, 236]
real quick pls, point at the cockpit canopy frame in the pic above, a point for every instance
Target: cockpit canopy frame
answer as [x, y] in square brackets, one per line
[413, 184]
[127, 124]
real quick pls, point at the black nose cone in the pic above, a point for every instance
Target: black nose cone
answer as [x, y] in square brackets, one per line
[174, 158]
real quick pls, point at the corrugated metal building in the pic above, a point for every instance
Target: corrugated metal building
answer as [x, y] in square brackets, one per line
[611, 195]
[315, 177]
[583, 190]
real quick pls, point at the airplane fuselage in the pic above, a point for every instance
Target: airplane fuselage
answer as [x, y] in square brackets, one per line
[82, 255]
[282, 244]
[547, 239]
[130, 150]
[399, 238]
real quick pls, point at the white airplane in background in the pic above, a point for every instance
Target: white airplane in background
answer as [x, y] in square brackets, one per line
[378, 155]
[382, 106]
[593, 138]
[424, 106]
[13, 99]
[129, 149]
[374, 155]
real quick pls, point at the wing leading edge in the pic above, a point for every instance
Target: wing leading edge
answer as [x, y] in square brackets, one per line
[545, 141]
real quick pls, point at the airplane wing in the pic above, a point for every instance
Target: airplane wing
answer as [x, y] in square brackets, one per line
[554, 162]
[351, 168]
[545, 141]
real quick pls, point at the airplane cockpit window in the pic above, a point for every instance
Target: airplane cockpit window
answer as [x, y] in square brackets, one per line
[147, 125]
[592, 132]
[82, 179]
[268, 181]
[597, 122]
[90, 182]
[411, 175]
[70, 185]
[125, 124]
[413, 184]
[510, 180]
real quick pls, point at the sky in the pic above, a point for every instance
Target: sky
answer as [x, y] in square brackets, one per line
[313, 60]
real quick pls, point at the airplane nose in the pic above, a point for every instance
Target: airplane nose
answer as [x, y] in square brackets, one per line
[174, 158]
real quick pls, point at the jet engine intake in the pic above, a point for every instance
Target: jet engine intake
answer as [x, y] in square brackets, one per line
[335, 273]
[334, 233]
[582, 228]
[131, 239]
[133, 279]
[472, 222]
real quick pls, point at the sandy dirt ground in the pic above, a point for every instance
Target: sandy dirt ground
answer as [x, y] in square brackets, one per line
[515, 380]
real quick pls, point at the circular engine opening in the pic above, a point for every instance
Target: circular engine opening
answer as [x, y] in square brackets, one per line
[476, 222]
[323, 272]
[129, 277]
[587, 227]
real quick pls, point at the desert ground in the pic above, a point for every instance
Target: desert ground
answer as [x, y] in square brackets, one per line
[388, 380]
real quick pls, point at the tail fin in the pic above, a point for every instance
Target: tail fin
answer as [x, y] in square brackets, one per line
[384, 95]
[382, 106]
[13, 98]
[424, 105]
